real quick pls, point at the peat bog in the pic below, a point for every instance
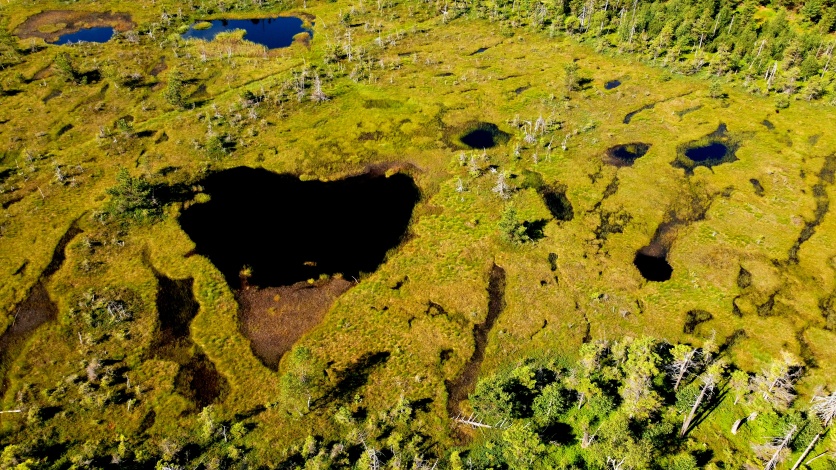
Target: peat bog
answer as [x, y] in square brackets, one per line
[285, 230]
[71, 26]
[272, 33]
[274, 318]
[556, 201]
[626, 154]
[629, 116]
[272, 235]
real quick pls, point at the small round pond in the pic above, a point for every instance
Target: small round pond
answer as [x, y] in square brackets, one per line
[626, 154]
[98, 34]
[714, 149]
[270, 32]
[612, 84]
[707, 153]
[653, 268]
[483, 135]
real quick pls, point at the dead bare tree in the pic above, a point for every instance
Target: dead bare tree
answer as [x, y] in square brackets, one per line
[684, 363]
[474, 422]
[774, 449]
[740, 421]
[776, 383]
[825, 408]
[501, 188]
[806, 452]
[614, 464]
[374, 461]
[318, 96]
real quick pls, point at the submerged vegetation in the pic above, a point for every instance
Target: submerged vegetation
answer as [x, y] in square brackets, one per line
[508, 234]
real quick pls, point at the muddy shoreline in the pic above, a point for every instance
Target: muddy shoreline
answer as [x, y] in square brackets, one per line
[275, 318]
[41, 24]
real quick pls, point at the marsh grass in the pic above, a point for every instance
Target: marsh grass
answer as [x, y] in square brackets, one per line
[594, 292]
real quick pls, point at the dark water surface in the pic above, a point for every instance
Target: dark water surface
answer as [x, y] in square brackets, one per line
[653, 268]
[710, 152]
[270, 32]
[483, 135]
[287, 230]
[626, 154]
[99, 34]
[716, 148]
[611, 84]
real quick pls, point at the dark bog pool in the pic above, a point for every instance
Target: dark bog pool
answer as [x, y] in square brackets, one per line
[287, 230]
[625, 155]
[653, 268]
[611, 84]
[99, 34]
[714, 149]
[557, 203]
[483, 135]
[707, 153]
[270, 32]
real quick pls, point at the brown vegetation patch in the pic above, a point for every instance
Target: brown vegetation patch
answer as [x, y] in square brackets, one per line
[33, 312]
[459, 388]
[50, 25]
[274, 318]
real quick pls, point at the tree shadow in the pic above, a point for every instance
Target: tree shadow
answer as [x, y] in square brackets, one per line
[534, 229]
[712, 405]
[354, 376]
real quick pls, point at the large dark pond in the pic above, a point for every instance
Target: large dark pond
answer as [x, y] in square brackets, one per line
[99, 34]
[287, 230]
[270, 32]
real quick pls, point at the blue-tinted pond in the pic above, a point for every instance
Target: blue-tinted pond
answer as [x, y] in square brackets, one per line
[712, 151]
[716, 148]
[100, 34]
[270, 32]
[612, 84]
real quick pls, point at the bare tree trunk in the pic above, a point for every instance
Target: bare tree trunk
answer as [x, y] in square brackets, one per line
[687, 423]
[806, 451]
[683, 369]
[773, 462]
[739, 422]
[815, 458]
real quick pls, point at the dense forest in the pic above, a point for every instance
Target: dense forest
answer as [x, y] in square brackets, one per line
[783, 48]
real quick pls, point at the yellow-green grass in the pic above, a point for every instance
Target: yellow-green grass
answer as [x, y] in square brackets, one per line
[454, 237]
